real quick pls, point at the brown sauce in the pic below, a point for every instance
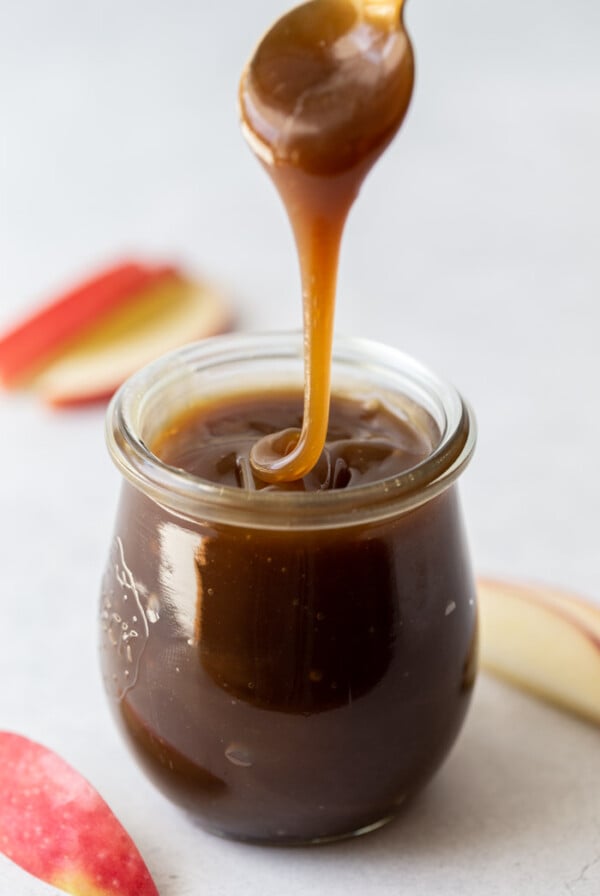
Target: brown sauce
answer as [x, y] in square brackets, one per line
[290, 685]
[366, 441]
[325, 92]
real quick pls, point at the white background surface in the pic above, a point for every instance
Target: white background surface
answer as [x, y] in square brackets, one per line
[474, 246]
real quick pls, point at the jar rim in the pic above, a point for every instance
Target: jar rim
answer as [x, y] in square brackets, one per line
[190, 496]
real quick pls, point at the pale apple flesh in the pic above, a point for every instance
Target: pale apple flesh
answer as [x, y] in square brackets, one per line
[44, 333]
[164, 317]
[544, 640]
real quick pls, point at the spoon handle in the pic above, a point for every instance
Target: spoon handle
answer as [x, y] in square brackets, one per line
[384, 12]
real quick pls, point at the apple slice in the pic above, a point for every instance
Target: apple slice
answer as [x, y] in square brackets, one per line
[164, 316]
[45, 332]
[54, 825]
[544, 640]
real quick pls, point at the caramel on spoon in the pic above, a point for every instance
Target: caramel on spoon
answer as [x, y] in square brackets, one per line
[325, 92]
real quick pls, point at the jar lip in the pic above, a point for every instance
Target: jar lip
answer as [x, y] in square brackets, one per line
[195, 498]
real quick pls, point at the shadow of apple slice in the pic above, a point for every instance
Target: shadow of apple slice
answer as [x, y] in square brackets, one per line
[54, 825]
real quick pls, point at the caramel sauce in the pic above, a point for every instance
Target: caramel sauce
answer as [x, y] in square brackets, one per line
[310, 682]
[366, 440]
[325, 92]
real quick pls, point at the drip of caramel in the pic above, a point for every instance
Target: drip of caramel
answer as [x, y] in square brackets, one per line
[325, 92]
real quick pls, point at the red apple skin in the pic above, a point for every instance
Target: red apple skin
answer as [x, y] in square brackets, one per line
[208, 315]
[48, 329]
[54, 825]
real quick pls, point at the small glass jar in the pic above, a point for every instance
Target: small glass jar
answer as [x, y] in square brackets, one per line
[288, 666]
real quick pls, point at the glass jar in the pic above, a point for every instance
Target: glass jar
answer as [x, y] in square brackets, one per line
[288, 666]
